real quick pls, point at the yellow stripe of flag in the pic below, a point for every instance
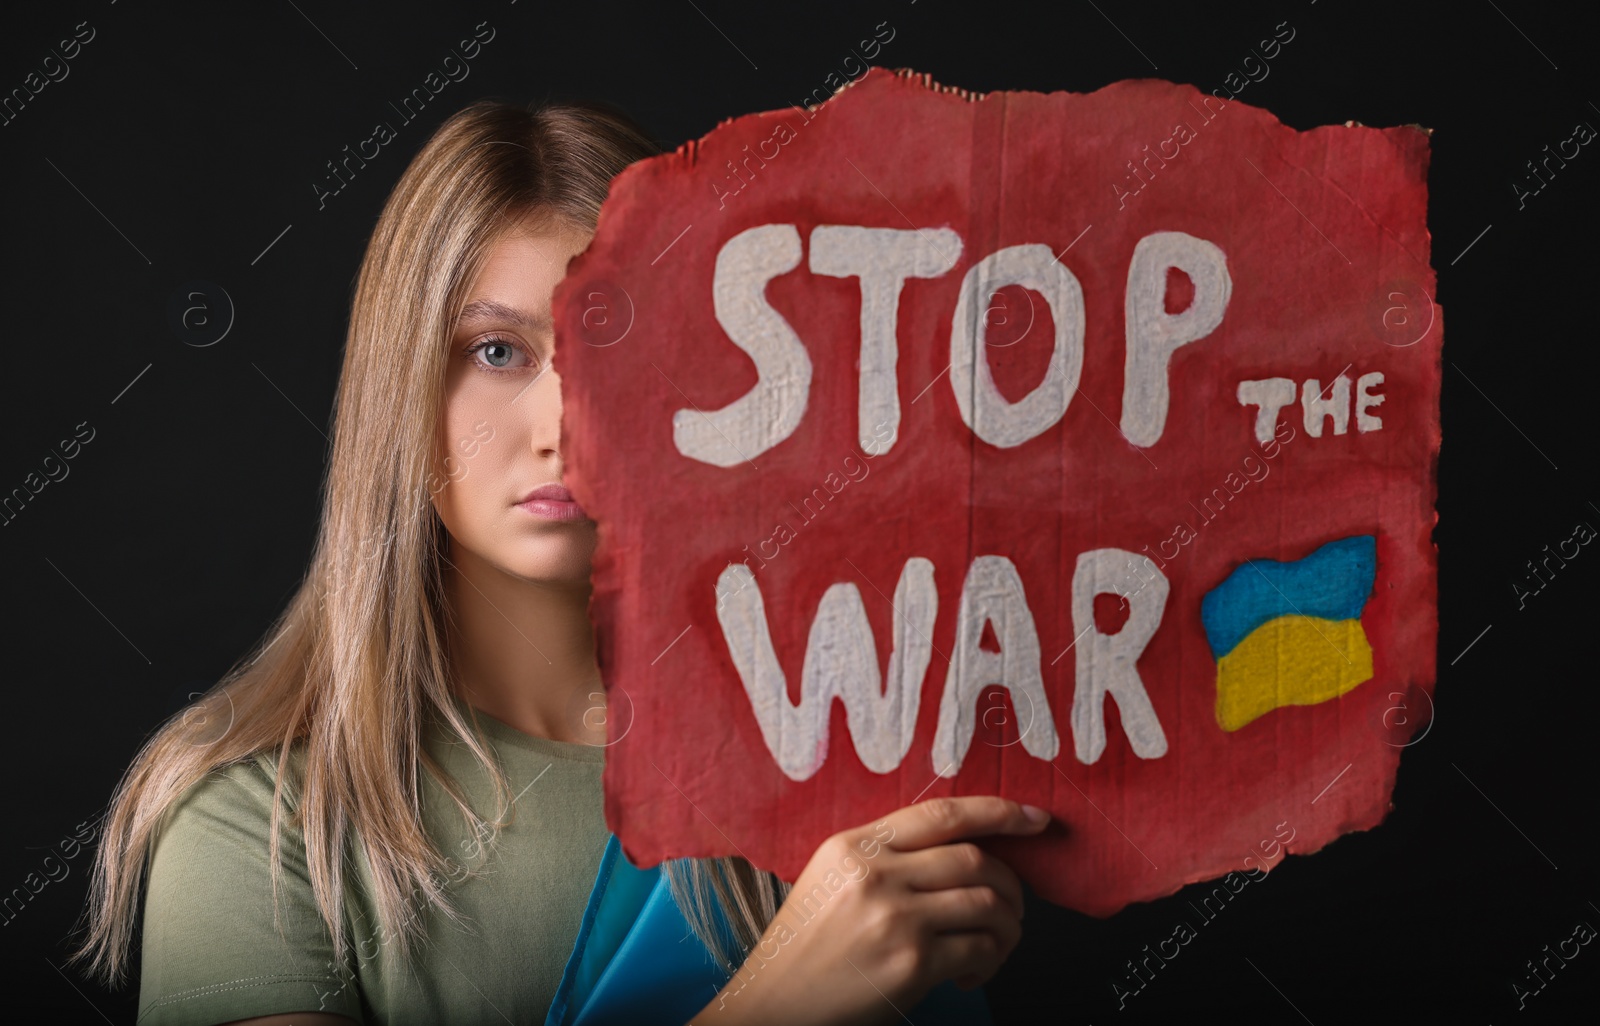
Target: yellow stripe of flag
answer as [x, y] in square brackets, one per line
[1290, 660]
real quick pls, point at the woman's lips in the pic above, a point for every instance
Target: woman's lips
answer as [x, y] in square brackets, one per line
[554, 509]
[552, 502]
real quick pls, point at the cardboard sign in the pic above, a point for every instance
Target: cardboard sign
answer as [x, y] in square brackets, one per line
[1081, 446]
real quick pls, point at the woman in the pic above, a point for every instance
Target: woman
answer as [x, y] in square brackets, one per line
[391, 812]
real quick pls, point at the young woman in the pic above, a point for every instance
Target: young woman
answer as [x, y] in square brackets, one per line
[391, 812]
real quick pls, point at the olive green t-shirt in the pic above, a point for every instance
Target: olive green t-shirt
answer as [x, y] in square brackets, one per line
[212, 954]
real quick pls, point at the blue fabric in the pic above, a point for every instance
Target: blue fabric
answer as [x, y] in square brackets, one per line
[1331, 583]
[637, 962]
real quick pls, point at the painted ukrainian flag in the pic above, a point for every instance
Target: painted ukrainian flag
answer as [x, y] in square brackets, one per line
[1290, 633]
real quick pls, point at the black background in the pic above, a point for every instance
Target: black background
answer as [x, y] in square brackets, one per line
[186, 137]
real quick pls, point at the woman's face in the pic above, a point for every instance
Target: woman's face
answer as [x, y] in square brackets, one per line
[500, 434]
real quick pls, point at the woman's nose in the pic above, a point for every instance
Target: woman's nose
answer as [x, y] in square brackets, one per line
[542, 401]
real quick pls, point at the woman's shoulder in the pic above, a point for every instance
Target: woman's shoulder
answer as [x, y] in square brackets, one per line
[217, 834]
[236, 798]
[222, 939]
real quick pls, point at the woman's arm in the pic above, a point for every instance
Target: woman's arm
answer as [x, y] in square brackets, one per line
[880, 915]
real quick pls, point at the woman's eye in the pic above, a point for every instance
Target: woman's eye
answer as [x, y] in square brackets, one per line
[497, 355]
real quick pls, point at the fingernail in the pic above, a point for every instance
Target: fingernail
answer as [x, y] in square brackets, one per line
[1035, 814]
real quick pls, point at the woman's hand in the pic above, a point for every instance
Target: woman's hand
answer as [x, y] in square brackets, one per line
[883, 913]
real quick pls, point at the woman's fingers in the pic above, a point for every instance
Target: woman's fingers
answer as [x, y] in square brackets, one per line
[963, 864]
[971, 909]
[972, 958]
[969, 956]
[941, 820]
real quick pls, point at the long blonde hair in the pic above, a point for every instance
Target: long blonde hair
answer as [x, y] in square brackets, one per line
[357, 661]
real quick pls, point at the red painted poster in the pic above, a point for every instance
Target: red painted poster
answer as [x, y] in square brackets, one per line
[1077, 448]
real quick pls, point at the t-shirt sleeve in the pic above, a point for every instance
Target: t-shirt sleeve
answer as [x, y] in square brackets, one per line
[212, 952]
